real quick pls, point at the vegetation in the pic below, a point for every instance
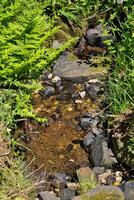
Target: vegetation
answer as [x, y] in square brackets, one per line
[26, 31]
[121, 81]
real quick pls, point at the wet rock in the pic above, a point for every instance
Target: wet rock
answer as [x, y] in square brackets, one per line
[102, 192]
[129, 190]
[67, 67]
[67, 194]
[88, 139]
[47, 196]
[48, 91]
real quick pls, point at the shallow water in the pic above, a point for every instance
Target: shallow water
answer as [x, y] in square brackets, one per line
[57, 147]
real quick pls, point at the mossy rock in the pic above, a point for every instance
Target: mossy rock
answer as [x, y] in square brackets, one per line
[102, 193]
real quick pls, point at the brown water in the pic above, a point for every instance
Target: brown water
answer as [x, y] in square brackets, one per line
[57, 147]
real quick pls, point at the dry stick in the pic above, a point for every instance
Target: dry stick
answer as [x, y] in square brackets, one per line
[102, 110]
[34, 171]
[5, 154]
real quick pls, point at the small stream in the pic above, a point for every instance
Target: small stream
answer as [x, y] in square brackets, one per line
[57, 144]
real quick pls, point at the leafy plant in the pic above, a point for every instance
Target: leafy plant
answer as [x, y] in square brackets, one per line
[25, 50]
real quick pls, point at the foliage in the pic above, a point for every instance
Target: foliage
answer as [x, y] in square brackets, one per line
[13, 184]
[24, 49]
[71, 10]
[121, 81]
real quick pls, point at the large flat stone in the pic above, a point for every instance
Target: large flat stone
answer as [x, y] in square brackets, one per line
[69, 68]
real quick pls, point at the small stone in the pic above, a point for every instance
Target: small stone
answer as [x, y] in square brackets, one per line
[78, 101]
[69, 147]
[69, 109]
[118, 173]
[61, 156]
[48, 91]
[87, 115]
[66, 194]
[50, 76]
[82, 94]
[118, 179]
[55, 79]
[93, 81]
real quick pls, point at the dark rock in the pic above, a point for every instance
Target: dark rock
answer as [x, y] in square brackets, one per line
[87, 115]
[48, 91]
[67, 194]
[62, 177]
[129, 190]
[99, 170]
[101, 155]
[102, 193]
[92, 89]
[47, 196]
[69, 147]
[88, 139]
[68, 68]
[94, 121]
[85, 123]
[95, 36]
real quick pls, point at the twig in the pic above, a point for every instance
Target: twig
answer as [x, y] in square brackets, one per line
[34, 171]
[5, 154]
[102, 110]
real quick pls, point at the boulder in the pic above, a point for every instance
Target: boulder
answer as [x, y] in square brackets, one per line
[102, 193]
[129, 190]
[68, 67]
